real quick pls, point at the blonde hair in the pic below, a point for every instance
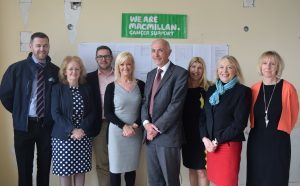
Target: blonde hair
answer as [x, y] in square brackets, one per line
[276, 58]
[63, 68]
[234, 62]
[121, 58]
[204, 83]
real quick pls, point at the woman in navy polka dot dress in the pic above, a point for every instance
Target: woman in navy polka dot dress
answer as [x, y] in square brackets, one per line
[73, 114]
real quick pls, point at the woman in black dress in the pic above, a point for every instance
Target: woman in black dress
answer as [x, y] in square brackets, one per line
[274, 114]
[193, 151]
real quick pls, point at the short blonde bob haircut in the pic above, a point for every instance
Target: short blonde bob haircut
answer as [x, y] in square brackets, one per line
[273, 55]
[63, 68]
[204, 83]
[234, 62]
[121, 58]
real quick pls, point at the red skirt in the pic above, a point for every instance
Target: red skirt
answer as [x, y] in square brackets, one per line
[223, 165]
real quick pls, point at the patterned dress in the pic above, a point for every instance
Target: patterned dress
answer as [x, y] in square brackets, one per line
[72, 156]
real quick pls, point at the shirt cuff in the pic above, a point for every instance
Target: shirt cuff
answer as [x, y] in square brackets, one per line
[146, 122]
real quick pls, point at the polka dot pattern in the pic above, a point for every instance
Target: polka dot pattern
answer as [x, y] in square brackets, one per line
[72, 156]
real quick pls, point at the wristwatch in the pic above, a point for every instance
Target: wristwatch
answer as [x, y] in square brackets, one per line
[215, 142]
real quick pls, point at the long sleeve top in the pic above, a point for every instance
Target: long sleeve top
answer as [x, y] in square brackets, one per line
[227, 120]
[290, 106]
[109, 108]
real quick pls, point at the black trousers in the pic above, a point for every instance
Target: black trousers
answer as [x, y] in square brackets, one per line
[115, 178]
[24, 143]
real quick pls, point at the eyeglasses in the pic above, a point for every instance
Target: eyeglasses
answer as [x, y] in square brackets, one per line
[104, 57]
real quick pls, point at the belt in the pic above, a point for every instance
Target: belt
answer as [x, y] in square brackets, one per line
[36, 119]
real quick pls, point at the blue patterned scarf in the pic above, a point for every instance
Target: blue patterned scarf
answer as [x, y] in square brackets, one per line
[220, 90]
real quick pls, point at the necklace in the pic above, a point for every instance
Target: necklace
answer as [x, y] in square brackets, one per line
[267, 105]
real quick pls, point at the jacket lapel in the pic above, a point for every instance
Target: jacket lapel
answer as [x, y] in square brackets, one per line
[95, 82]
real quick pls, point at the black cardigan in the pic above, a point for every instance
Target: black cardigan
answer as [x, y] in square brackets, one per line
[109, 108]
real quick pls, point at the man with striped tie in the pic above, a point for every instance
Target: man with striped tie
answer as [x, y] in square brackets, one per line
[25, 91]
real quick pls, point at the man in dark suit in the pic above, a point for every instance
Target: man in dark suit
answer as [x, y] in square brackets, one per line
[25, 91]
[98, 80]
[165, 91]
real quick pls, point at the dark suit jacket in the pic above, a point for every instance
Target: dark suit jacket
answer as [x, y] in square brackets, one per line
[227, 120]
[62, 111]
[16, 90]
[168, 104]
[93, 80]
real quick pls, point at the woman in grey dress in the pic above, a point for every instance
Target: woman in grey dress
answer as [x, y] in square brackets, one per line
[122, 105]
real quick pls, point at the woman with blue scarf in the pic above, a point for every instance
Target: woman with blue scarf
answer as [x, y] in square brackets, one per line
[227, 110]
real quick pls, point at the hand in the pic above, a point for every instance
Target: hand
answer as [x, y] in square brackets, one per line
[209, 145]
[135, 126]
[128, 130]
[152, 131]
[77, 134]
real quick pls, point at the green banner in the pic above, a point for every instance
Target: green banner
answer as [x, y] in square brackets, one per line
[135, 25]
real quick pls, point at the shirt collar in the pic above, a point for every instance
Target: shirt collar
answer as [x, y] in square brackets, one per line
[110, 73]
[37, 61]
[165, 67]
